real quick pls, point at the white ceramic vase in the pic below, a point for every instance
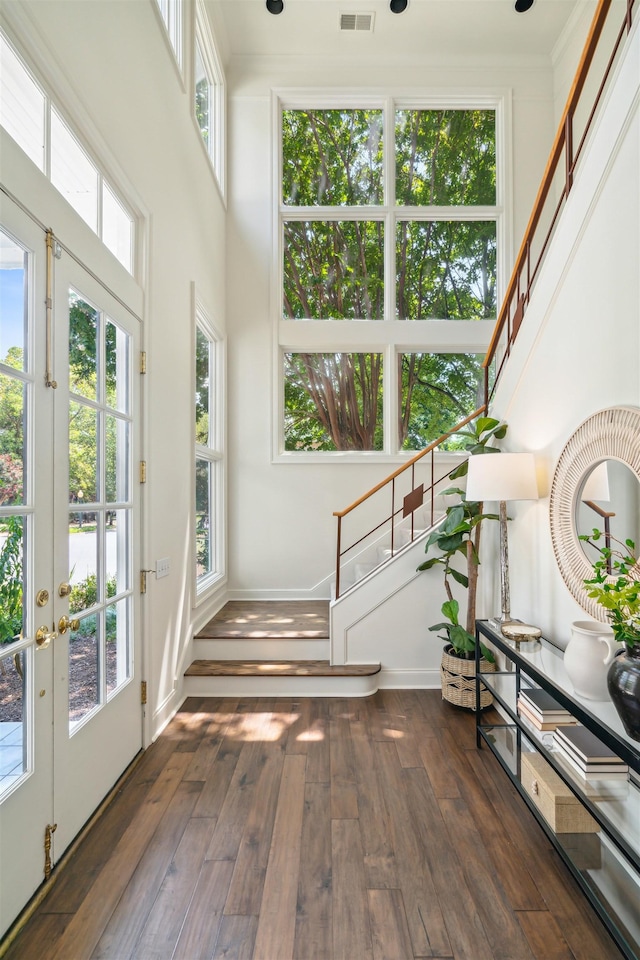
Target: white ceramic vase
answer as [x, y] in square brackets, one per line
[587, 656]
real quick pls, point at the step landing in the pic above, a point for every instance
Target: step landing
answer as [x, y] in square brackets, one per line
[311, 678]
[272, 648]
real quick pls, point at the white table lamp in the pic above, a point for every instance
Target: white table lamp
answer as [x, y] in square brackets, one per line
[502, 477]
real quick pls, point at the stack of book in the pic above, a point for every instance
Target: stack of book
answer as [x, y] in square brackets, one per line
[541, 710]
[588, 756]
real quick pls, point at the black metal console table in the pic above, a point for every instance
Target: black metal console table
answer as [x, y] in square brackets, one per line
[605, 862]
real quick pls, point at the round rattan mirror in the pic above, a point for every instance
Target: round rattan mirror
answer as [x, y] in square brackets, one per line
[610, 435]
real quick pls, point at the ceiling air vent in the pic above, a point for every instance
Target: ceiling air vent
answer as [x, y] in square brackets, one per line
[362, 22]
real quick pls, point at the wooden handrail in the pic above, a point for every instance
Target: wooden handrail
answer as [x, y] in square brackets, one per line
[562, 143]
[410, 463]
[515, 297]
[418, 492]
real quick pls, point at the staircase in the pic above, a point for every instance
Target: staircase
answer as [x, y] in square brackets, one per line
[285, 647]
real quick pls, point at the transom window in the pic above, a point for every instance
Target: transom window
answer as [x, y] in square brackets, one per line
[388, 212]
[39, 129]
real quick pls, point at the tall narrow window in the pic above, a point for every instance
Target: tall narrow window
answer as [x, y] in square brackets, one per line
[209, 94]
[387, 213]
[209, 461]
[171, 13]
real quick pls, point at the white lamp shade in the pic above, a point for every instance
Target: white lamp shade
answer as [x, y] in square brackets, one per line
[596, 486]
[502, 476]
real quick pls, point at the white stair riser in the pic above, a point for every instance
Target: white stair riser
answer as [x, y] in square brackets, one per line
[270, 648]
[281, 686]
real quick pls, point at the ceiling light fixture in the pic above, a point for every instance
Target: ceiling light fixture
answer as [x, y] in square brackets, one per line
[275, 6]
[523, 5]
[398, 6]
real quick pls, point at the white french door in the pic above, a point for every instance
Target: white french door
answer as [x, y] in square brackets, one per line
[97, 710]
[70, 712]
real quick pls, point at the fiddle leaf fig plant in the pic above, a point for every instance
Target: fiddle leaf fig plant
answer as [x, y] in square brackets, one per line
[617, 591]
[457, 539]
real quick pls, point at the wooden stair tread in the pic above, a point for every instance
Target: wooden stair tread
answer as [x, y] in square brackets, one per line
[279, 668]
[269, 619]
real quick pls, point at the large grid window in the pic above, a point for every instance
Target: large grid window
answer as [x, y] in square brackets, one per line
[387, 212]
[209, 94]
[209, 460]
[39, 129]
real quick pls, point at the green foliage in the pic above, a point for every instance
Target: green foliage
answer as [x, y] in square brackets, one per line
[333, 401]
[334, 266]
[454, 633]
[11, 479]
[445, 157]
[333, 270]
[12, 407]
[332, 157]
[438, 390]
[458, 537]
[618, 592]
[446, 270]
[203, 394]
[11, 553]
[84, 594]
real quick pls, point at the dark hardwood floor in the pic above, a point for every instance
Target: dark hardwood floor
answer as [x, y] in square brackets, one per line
[338, 829]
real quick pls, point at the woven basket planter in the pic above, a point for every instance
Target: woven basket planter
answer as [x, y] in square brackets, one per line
[458, 678]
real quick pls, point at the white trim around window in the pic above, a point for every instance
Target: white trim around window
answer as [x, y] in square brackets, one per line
[209, 476]
[388, 336]
[206, 60]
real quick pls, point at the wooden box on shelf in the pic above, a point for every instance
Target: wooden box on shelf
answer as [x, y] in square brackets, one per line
[561, 809]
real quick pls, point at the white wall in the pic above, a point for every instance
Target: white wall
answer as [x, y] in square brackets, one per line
[112, 68]
[282, 532]
[579, 346]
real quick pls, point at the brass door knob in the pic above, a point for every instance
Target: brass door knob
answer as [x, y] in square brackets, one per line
[44, 638]
[64, 624]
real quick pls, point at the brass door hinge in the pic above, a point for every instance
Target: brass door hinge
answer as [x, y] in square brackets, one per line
[143, 361]
[48, 831]
[143, 580]
[143, 691]
[143, 471]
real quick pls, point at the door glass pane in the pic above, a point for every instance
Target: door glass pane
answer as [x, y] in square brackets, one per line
[11, 578]
[13, 302]
[203, 518]
[117, 643]
[84, 667]
[83, 560]
[117, 541]
[116, 459]
[83, 346]
[116, 367]
[83, 454]
[12, 419]
[13, 746]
